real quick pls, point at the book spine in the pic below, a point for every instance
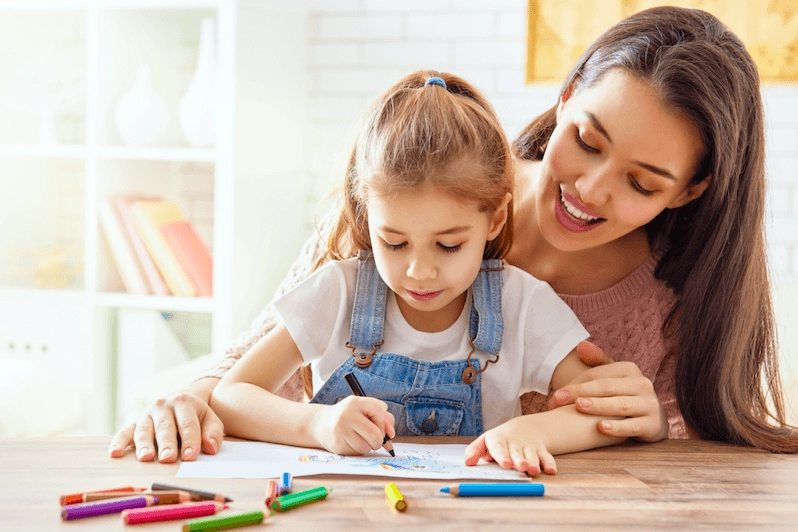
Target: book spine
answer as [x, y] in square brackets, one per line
[148, 265]
[121, 250]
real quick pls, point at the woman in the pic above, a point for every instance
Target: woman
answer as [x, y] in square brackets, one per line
[640, 200]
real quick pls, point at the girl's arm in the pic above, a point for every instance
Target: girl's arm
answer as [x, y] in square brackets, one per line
[528, 443]
[245, 402]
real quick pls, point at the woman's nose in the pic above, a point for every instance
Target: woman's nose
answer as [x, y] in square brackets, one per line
[593, 186]
[421, 268]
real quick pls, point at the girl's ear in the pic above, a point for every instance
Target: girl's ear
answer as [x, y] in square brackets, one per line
[691, 192]
[499, 217]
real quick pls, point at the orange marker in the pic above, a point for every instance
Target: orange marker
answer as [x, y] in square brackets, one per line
[171, 512]
[272, 492]
[164, 497]
[76, 498]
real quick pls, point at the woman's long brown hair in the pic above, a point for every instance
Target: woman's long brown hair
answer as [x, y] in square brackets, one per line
[712, 249]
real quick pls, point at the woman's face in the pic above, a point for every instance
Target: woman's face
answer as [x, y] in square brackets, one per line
[616, 159]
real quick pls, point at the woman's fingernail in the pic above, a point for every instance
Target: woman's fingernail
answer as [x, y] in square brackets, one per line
[187, 452]
[212, 441]
[563, 395]
[606, 425]
[144, 451]
[584, 402]
[165, 453]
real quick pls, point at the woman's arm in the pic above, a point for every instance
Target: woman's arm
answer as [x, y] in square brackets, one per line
[185, 415]
[615, 390]
[528, 443]
[186, 412]
[245, 402]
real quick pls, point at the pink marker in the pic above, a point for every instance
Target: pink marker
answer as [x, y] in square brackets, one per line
[171, 512]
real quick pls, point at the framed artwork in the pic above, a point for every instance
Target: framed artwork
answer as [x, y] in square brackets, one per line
[559, 31]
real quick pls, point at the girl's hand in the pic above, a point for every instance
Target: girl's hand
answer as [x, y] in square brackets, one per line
[185, 414]
[355, 425]
[615, 389]
[514, 444]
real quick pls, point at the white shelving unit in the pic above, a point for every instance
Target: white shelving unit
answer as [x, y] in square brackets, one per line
[50, 191]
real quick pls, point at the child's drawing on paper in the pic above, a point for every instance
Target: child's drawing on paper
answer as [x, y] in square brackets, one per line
[270, 460]
[409, 462]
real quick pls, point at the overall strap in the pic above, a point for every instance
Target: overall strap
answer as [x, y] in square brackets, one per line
[368, 311]
[485, 324]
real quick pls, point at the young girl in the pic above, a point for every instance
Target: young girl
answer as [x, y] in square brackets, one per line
[443, 337]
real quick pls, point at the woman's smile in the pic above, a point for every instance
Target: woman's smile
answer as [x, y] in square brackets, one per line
[573, 215]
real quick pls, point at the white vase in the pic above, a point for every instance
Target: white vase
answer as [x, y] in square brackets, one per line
[197, 110]
[141, 115]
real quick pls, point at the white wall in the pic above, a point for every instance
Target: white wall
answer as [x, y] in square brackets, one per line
[359, 47]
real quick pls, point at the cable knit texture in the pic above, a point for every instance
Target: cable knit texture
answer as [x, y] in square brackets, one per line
[624, 320]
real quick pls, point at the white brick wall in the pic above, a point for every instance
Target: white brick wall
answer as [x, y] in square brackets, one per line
[360, 47]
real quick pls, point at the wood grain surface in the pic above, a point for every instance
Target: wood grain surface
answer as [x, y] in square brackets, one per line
[672, 485]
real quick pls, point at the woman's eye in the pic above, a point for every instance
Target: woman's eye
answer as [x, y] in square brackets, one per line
[636, 185]
[585, 146]
[394, 247]
[450, 249]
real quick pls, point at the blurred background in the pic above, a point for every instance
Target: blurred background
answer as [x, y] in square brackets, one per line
[163, 161]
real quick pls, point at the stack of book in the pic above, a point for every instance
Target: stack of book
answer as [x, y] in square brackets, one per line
[155, 248]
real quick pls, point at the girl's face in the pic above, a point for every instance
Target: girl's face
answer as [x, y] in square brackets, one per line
[616, 159]
[428, 248]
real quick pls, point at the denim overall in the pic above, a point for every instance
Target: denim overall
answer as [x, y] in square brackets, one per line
[426, 398]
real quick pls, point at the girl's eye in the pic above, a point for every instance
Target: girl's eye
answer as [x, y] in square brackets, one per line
[450, 249]
[640, 189]
[582, 144]
[394, 247]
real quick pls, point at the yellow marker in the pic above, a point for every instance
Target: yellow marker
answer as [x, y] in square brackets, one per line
[395, 497]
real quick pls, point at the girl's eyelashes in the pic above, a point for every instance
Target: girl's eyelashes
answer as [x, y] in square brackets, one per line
[394, 247]
[397, 247]
[582, 144]
[450, 249]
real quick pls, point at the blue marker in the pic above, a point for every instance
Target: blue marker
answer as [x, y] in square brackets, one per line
[518, 489]
[284, 488]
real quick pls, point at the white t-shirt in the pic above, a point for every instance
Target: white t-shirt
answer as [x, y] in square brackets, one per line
[539, 331]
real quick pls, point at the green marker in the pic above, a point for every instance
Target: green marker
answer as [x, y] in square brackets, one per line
[286, 502]
[214, 523]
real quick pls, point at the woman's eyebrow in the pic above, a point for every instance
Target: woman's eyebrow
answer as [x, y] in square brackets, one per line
[650, 167]
[598, 126]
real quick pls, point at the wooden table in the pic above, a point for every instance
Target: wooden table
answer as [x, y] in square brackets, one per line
[671, 485]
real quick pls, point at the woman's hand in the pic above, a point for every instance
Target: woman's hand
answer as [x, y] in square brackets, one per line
[516, 444]
[185, 415]
[615, 389]
[356, 425]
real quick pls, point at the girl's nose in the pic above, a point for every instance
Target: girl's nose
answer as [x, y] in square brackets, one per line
[421, 268]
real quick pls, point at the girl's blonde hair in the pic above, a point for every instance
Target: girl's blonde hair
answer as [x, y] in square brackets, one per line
[418, 133]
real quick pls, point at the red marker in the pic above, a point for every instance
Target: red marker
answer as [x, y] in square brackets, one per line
[171, 512]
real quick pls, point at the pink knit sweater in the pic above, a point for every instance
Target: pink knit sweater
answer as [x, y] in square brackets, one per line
[625, 320]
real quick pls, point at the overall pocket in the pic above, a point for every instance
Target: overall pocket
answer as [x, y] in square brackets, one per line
[428, 416]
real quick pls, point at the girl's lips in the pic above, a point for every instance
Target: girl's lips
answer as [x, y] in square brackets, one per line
[424, 296]
[569, 222]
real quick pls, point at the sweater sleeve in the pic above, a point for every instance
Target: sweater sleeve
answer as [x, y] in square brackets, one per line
[266, 319]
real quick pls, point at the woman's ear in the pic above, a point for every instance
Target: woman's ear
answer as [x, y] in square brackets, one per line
[564, 97]
[499, 217]
[691, 192]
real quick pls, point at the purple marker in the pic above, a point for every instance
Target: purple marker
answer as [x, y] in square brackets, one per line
[112, 506]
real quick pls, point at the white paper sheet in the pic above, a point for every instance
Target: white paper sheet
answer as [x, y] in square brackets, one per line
[269, 460]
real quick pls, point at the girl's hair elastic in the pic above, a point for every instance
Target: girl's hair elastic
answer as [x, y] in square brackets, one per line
[435, 81]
